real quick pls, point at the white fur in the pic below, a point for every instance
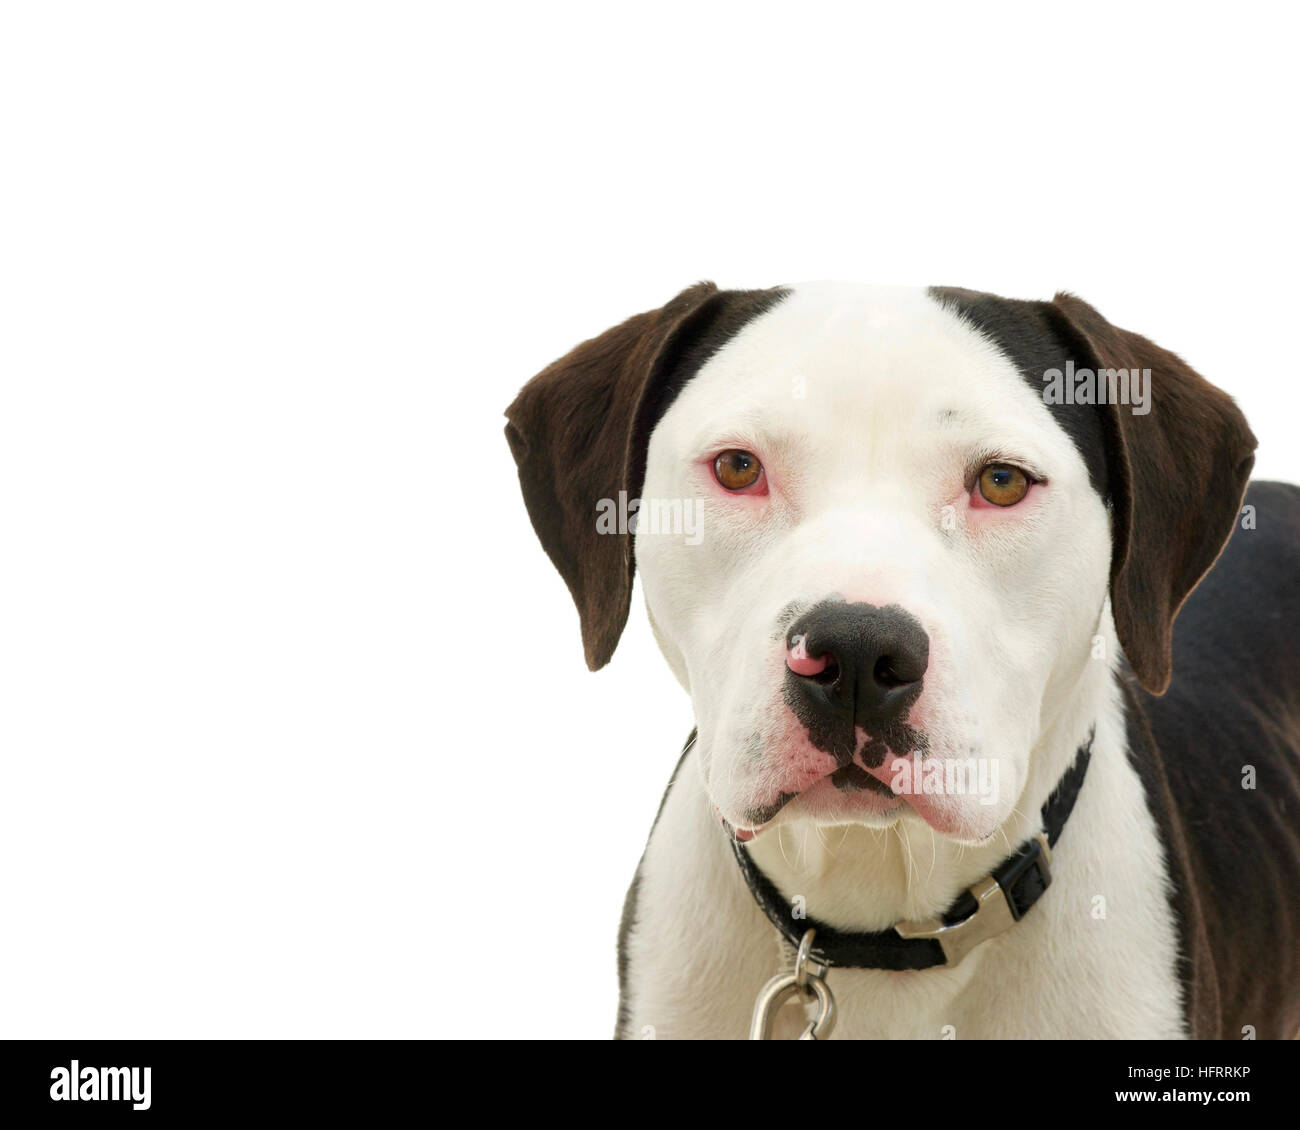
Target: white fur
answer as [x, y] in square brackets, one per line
[899, 398]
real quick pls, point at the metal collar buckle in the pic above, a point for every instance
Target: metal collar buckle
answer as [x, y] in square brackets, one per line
[993, 913]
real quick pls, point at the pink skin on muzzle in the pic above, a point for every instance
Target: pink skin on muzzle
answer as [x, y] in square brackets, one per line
[801, 663]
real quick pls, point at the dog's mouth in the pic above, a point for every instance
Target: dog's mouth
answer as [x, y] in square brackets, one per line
[756, 821]
[847, 795]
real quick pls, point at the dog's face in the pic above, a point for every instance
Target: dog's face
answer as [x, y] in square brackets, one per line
[875, 426]
[873, 551]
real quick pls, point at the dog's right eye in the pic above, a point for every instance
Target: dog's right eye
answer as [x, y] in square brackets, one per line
[737, 470]
[1002, 484]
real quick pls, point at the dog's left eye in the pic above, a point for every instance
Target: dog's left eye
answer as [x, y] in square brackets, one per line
[1002, 484]
[737, 470]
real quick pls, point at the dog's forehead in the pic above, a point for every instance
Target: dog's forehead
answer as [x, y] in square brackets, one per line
[839, 356]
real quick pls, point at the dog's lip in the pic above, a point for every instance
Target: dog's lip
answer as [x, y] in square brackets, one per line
[739, 834]
[744, 833]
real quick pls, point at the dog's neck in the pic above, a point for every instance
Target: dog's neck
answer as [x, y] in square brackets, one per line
[869, 878]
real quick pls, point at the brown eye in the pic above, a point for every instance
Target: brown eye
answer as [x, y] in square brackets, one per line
[1002, 484]
[737, 470]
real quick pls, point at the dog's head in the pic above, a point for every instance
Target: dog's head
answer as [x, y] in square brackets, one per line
[877, 528]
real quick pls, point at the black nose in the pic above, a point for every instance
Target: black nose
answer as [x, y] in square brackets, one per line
[875, 659]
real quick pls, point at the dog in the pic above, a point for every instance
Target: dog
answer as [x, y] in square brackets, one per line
[957, 771]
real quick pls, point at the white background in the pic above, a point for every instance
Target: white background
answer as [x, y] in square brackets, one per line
[297, 739]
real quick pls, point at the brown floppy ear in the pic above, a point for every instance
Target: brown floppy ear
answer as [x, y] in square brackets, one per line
[578, 432]
[1178, 474]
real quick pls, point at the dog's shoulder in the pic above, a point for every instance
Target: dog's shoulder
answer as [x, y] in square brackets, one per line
[1243, 620]
[1219, 755]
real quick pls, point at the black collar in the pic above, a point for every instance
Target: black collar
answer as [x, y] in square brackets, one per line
[987, 908]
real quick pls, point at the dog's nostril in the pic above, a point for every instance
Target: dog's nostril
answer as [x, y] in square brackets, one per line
[802, 663]
[887, 675]
[828, 674]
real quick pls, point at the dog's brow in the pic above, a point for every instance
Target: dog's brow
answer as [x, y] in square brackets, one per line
[952, 418]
